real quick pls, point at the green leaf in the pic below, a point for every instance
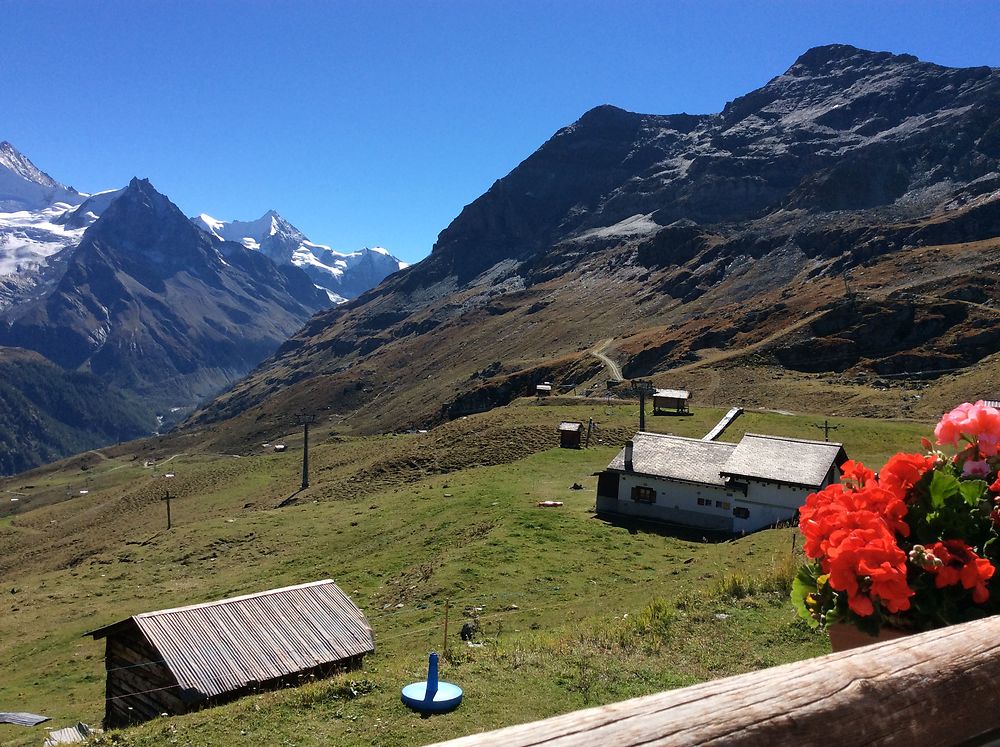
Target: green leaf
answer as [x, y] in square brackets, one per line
[972, 491]
[804, 585]
[943, 486]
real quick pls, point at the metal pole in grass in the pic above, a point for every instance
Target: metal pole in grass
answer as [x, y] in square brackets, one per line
[167, 499]
[304, 420]
[644, 388]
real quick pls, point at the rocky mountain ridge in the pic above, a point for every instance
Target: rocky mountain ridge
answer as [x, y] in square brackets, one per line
[121, 285]
[152, 305]
[684, 239]
[343, 276]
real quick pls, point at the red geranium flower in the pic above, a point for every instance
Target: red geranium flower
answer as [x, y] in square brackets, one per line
[903, 471]
[961, 565]
[856, 471]
[868, 565]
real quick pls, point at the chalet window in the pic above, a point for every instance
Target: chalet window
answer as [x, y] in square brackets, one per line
[741, 513]
[642, 494]
[740, 486]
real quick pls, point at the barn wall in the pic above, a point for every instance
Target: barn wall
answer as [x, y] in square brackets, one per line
[669, 404]
[139, 686]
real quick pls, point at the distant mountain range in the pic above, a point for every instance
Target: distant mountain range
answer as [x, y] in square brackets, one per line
[343, 276]
[122, 286]
[841, 222]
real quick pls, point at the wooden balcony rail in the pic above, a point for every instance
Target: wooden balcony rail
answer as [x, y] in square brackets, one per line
[941, 687]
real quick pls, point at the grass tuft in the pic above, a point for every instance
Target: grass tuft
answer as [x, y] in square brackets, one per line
[777, 580]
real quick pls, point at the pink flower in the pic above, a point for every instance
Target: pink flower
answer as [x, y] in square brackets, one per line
[976, 422]
[976, 469]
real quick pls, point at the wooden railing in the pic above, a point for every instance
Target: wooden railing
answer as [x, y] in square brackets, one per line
[941, 687]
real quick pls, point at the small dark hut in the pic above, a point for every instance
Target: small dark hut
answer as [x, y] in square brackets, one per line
[569, 435]
[670, 401]
[179, 660]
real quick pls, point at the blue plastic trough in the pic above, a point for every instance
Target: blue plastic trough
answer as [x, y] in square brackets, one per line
[432, 696]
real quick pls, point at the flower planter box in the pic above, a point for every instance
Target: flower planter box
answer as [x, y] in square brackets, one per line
[844, 636]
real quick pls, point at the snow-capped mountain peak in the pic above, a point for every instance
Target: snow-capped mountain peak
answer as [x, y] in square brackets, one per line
[342, 275]
[24, 186]
[13, 160]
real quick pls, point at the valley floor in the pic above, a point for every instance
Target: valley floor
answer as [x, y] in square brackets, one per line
[573, 611]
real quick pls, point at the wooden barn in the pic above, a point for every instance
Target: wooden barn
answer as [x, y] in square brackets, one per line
[670, 401]
[570, 435]
[178, 660]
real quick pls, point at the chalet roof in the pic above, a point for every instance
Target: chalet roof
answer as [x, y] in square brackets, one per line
[228, 644]
[676, 458]
[791, 461]
[787, 460]
[672, 393]
[569, 426]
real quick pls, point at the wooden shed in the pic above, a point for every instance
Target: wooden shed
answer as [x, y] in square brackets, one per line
[543, 390]
[182, 659]
[569, 435]
[670, 401]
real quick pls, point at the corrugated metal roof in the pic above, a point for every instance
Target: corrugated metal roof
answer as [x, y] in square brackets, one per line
[568, 426]
[676, 458]
[787, 460]
[672, 393]
[70, 735]
[226, 645]
[20, 718]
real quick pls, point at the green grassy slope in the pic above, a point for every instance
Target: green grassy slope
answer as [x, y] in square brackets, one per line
[574, 611]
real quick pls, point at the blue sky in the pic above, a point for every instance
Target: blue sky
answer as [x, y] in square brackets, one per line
[374, 122]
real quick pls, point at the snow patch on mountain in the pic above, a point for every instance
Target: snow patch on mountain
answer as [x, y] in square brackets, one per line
[23, 186]
[342, 275]
[40, 221]
[28, 238]
[90, 210]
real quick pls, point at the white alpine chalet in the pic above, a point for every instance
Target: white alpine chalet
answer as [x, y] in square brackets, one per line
[342, 276]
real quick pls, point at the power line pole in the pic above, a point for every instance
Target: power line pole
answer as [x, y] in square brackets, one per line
[304, 420]
[167, 499]
[826, 429]
[644, 388]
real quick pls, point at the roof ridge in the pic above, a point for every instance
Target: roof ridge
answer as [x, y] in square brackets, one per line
[230, 600]
[796, 440]
[683, 438]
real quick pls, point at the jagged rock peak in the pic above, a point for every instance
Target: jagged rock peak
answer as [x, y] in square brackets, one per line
[144, 215]
[142, 190]
[607, 113]
[830, 57]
